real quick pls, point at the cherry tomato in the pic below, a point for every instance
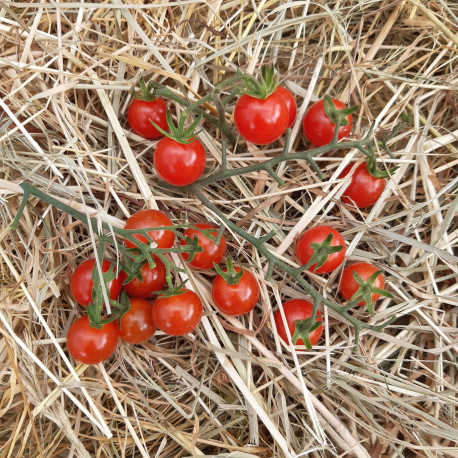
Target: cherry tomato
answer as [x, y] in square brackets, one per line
[261, 121]
[290, 101]
[211, 253]
[141, 112]
[91, 345]
[179, 164]
[364, 189]
[151, 218]
[297, 310]
[178, 315]
[318, 234]
[81, 283]
[319, 129]
[153, 280]
[348, 285]
[137, 325]
[236, 299]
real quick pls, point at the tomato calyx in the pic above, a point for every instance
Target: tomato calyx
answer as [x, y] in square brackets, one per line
[173, 291]
[365, 291]
[321, 252]
[231, 276]
[146, 91]
[265, 86]
[371, 165]
[179, 133]
[336, 116]
[303, 329]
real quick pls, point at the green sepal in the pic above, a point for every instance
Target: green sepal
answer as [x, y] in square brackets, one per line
[265, 86]
[231, 276]
[146, 92]
[371, 166]
[334, 114]
[179, 133]
[175, 291]
[321, 252]
[303, 329]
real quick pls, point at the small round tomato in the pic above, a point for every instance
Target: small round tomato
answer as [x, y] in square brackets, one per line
[153, 280]
[319, 129]
[261, 121]
[364, 189]
[144, 219]
[212, 253]
[297, 310]
[177, 163]
[81, 283]
[178, 315]
[141, 113]
[137, 325]
[290, 101]
[318, 234]
[91, 345]
[236, 299]
[348, 285]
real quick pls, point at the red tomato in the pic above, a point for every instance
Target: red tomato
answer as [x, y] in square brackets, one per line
[178, 315]
[151, 218]
[211, 253]
[91, 345]
[348, 285]
[290, 101]
[137, 325]
[141, 112]
[261, 121]
[179, 164]
[153, 280]
[81, 283]
[319, 129]
[318, 234]
[236, 299]
[297, 310]
[364, 189]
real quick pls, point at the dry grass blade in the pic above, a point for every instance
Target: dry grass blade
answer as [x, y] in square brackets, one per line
[231, 388]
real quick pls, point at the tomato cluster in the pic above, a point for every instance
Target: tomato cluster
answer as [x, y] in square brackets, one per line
[261, 115]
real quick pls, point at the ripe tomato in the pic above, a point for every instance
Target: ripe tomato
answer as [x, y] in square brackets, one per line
[318, 234]
[297, 310]
[348, 285]
[364, 189]
[151, 218]
[211, 253]
[261, 121]
[319, 129]
[178, 315]
[91, 345]
[179, 164]
[137, 325]
[81, 283]
[290, 101]
[236, 299]
[153, 280]
[141, 112]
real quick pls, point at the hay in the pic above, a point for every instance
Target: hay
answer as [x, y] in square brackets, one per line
[230, 389]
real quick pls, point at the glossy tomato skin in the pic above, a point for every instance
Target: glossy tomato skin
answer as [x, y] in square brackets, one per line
[318, 128]
[81, 283]
[318, 234]
[236, 299]
[153, 280]
[364, 189]
[261, 121]
[91, 345]
[151, 218]
[211, 253]
[290, 101]
[141, 112]
[137, 325]
[297, 309]
[178, 315]
[348, 285]
[179, 164]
